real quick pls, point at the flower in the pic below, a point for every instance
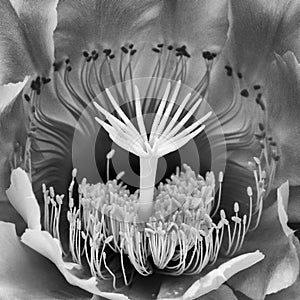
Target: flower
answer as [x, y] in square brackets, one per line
[155, 106]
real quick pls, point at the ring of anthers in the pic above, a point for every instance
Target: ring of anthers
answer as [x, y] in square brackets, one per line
[168, 229]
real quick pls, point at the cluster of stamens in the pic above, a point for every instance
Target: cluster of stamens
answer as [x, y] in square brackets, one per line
[180, 236]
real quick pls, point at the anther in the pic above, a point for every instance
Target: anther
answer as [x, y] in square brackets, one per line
[67, 61]
[239, 75]
[155, 50]
[112, 56]
[95, 57]
[107, 51]
[170, 47]
[110, 154]
[132, 52]
[256, 87]
[85, 54]
[229, 70]
[131, 46]
[26, 97]
[244, 93]
[74, 172]
[208, 55]
[45, 80]
[160, 45]
[257, 160]
[249, 191]
[261, 126]
[56, 66]
[221, 176]
[236, 207]
[124, 49]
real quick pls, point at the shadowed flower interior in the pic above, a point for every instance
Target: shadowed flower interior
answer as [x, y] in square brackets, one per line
[176, 225]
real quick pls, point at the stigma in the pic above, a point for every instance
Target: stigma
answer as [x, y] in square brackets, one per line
[167, 134]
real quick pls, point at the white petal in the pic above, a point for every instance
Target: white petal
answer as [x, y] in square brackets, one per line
[22, 198]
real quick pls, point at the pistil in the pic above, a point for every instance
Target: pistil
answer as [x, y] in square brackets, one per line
[167, 135]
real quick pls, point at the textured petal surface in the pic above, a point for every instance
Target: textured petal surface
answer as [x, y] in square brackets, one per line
[200, 25]
[89, 25]
[24, 274]
[260, 28]
[282, 98]
[280, 268]
[257, 30]
[26, 38]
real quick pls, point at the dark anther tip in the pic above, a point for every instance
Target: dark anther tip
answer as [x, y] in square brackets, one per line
[256, 86]
[124, 49]
[131, 46]
[244, 93]
[67, 61]
[261, 126]
[69, 68]
[56, 66]
[132, 52]
[170, 47]
[107, 51]
[239, 75]
[276, 157]
[33, 109]
[33, 85]
[85, 54]
[45, 80]
[94, 52]
[155, 50]
[273, 143]
[89, 58]
[112, 56]
[95, 57]
[160, 45]
[228, 70]
[208, 55]
[27, 98]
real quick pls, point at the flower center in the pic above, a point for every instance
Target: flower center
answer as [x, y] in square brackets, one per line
[176, 227]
